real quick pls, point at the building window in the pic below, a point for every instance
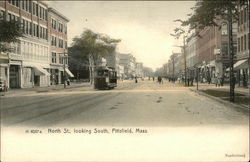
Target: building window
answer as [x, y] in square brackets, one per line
[46, 34]
[65, 29]
[60, 43]
[61, 59]
[40, 12]
[245, 15]
[16, 48]
[46, 15]
[37, 31]
[60, 27]
[26, 27]
[37, 10]
[66, 45]
[14, 2]
[53, 57]
[29, 28]
[241, 16]
[238, 44]
[53, 23]
[1, 14]
[241, 43]
[34, 8]
[224, 29]
[40, 32]
[27, 5]
[34, 30]
[53, 41]
[245, 42]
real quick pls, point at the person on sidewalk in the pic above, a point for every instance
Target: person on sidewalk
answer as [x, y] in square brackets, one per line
[68, 82]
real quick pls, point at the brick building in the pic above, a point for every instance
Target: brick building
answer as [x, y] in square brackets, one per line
[214, 64]
[29, 60]
[29, 63]
[242, 65]
[58, 46]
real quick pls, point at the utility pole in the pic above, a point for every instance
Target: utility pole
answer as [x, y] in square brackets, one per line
[248, 9]
[231, 55]
[197, 78]
[184, 55]
[173, 66]
[64, 68]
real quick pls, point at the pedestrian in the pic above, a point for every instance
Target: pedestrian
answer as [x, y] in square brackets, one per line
[68, 82]
[153, 79]
[136, 81]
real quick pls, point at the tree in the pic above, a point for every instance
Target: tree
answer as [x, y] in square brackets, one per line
[206, 12]
[9, 33]
[94, 46]
[78, 63]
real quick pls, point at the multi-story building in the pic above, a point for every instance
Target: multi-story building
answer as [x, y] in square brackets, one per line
[212, 50]
[37, 59]
[191, 58]
[242, 57]
[113, 61]
[139, 69]
[128, 62]
[28, 62]
[57, 24]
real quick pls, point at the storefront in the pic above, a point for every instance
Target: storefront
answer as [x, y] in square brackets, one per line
[35, 75]
[242, 71]
[15, 73]
[4, 69]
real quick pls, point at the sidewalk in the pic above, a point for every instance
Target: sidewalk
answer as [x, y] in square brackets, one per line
[221, 94]
[24, 91]
[205, 86]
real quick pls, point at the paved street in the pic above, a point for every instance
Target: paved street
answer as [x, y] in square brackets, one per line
[179, 124]
[143, 104]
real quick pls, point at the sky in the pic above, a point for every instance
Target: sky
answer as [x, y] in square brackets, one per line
[144, 27]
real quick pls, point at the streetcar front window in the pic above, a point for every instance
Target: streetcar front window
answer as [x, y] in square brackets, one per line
[102, 73]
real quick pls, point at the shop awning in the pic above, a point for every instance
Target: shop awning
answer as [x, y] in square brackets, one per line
[69, 73]
[40, 71]
[241, 64]
[38, 68]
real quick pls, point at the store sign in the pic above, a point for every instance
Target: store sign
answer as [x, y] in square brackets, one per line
[216, 51]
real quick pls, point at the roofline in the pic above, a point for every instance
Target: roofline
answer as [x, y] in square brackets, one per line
[58, 13]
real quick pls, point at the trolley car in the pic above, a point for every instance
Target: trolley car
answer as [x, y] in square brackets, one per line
[105, 78]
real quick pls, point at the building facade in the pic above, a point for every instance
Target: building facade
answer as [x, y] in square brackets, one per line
[28, 62]
[191, 57]
[128, 62]
[139, 69]
[58, 47]
[242, 65]
[113, 61]
[212, 51]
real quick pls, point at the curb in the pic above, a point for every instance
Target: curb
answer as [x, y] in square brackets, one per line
[226, 103]
[49, 89]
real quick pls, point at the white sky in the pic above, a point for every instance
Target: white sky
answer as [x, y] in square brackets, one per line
[144, 27]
